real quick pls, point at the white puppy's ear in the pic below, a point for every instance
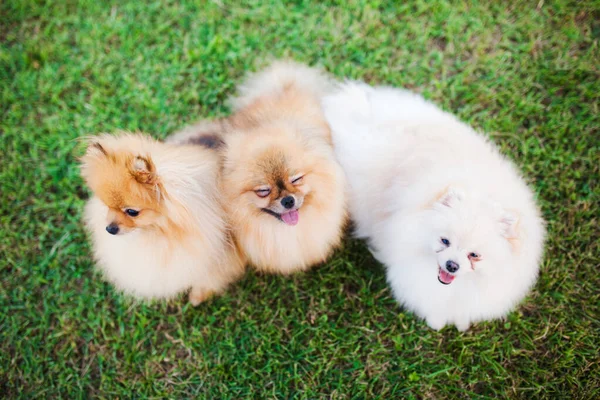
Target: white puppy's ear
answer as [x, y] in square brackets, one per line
[451, 197]
[509, 222]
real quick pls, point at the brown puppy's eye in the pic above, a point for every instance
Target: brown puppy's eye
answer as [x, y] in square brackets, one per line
[298, 180]
[131, 212]
[262, 192]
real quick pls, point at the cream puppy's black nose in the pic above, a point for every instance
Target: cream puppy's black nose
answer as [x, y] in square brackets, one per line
[451, 266]
[288, 202]
[113, 229]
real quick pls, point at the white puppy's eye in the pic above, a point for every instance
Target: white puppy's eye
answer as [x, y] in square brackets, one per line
[474, 256]
[262, 192]
[445, 241]
[296, 180]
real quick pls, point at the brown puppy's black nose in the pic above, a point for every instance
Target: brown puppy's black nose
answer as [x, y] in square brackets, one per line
[288, 202]
[451, 266]
[113, 229]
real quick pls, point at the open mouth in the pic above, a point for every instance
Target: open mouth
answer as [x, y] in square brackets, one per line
[445, 277]
[289, 218]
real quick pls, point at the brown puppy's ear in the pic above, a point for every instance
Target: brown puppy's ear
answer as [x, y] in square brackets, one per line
[143, 170]
[96, 146]
[95, 149]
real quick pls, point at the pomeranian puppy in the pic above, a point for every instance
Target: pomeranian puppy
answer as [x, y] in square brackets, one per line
[283, 190]
[451, 218]
[155, 219]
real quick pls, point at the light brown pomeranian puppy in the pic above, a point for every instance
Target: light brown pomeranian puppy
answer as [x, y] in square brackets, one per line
[284, 191]
[155, 218]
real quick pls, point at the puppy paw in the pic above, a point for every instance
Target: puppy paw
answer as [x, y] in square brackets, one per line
[462, 325]
[198, 295]
[435, 323]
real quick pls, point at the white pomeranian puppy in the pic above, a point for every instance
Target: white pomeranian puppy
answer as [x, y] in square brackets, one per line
[450, 217]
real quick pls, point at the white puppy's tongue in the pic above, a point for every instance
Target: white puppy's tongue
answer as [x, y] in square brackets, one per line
[445, 277]
[290, 218]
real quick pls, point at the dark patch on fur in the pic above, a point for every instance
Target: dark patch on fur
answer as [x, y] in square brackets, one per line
[280, 184]
[210, 141]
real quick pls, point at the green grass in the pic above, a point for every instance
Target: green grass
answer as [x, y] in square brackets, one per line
[527, 73]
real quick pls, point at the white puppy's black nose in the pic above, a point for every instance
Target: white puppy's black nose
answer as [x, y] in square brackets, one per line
[451, 266]
[288, 202]
[113, 229]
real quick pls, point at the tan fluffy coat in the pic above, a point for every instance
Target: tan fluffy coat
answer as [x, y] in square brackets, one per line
[277, 145]
[179, 239]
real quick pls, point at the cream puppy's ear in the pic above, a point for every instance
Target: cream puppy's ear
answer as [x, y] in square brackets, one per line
[143, 170]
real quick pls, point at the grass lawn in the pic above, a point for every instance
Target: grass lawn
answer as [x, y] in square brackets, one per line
[527, 73]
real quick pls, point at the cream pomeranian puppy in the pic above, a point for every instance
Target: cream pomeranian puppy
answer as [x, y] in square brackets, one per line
[155, 218]
[450, 217]
[283, 190]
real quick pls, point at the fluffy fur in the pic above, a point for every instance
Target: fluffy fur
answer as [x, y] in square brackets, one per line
[284, 191]
[178, 239]
[450, 217]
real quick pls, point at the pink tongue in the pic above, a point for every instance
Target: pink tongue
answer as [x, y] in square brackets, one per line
[290, 218]
[445, 276]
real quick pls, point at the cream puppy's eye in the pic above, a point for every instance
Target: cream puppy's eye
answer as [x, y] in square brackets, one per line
[262, 192]
[296, 180]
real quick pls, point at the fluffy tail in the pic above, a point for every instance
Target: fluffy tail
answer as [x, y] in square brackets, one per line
[278, 78]
[349, 103]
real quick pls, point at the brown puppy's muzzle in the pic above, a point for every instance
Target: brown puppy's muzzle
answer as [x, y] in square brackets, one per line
[112, 228]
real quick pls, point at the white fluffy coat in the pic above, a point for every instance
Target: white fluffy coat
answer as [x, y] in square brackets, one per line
[417, 175]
